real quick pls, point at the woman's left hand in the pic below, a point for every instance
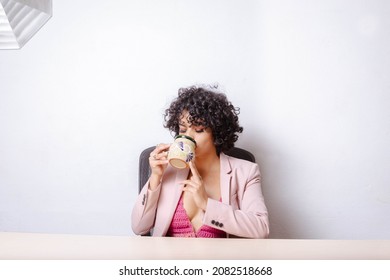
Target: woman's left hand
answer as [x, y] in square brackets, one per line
[195, 186]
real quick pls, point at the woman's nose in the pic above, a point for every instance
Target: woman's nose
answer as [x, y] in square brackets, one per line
[189, 133]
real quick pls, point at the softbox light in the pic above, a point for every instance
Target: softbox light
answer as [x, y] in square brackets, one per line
[20, 20]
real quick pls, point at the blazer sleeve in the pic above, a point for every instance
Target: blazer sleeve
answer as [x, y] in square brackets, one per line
[144, 210]
[250, 218]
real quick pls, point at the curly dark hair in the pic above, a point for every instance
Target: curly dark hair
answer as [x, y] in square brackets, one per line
[207, 108]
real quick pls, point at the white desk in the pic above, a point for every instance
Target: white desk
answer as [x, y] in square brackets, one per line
[28, 246]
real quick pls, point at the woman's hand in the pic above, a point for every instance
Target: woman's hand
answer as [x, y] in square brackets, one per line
[196, 187]
[158, 162]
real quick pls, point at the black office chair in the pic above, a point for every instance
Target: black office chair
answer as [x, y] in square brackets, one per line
[144, 169]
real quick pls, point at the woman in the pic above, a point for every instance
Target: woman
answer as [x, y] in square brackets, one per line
[217, 196]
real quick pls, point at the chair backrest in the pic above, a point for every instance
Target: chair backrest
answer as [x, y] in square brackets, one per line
[144, 169]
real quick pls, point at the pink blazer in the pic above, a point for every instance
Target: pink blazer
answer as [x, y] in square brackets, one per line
[242, 211]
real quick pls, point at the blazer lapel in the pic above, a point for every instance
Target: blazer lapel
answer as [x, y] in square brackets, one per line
[226, 170]
[171, 196]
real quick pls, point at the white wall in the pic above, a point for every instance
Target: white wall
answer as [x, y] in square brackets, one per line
[81, 100]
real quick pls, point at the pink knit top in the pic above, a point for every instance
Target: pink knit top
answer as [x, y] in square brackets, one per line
[181, 226]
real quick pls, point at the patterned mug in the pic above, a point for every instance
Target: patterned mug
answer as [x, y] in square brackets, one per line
[182, 151]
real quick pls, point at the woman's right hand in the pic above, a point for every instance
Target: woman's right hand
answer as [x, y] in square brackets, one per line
[158, 162]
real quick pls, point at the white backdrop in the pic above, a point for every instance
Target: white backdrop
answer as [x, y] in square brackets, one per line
[83, 97]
